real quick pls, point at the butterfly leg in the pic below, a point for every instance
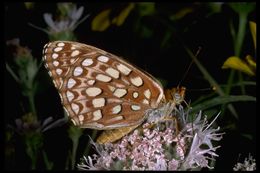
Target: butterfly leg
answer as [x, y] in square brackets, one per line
[166, 115]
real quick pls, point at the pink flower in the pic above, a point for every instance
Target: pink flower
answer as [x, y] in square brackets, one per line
[159, 148]
[173, 164]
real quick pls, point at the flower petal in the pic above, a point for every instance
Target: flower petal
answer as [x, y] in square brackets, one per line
[78, 13]
[236, 63]
[48, 19]
[253, 31]
[251, 61]
[119, 20]
[101, 22]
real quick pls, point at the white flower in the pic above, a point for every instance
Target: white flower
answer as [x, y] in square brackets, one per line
[248, 165]
[88, 165]
[68, 23]
[197, 156]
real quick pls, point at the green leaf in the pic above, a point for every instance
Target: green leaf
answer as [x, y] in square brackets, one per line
[220, 100]
[146, 8]
[242, 7]
[166, 38]
[210, 79]
[211, 113]
[48, 164]
[146, 32]
[215, 6]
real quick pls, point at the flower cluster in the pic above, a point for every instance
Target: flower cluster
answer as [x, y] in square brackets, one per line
[248, 165]
[159, 146]
[29, 124]
[70, 17]
[61, 26]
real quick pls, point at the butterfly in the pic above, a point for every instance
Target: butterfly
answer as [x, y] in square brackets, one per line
[102, 91]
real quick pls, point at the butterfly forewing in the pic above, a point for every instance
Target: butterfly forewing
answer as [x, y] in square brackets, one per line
[98, 89]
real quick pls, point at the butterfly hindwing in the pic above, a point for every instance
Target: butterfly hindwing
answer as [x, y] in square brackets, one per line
[98, 89]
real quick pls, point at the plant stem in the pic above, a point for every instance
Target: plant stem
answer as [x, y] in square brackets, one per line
[211, 80]
[239, 42]
[74, 134]
[48, 164]
[32, 103]
[93, 136]
[241, 33]
[74, 150]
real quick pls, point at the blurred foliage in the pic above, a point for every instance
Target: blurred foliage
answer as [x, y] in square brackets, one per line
[29, 5]
[160, 23]
[248, 66]
[103, 20]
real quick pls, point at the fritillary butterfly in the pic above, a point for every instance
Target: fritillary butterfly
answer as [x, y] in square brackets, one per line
[101, 91]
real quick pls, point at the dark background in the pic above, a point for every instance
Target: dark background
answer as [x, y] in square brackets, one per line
[211, 33]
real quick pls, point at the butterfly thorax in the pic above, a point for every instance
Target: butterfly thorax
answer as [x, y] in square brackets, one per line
[173, 98]
[175, 95]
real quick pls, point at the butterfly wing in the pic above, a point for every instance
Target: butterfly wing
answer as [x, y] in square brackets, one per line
[98, 89]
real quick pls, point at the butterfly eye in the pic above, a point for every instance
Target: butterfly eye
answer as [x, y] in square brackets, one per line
[176, 96]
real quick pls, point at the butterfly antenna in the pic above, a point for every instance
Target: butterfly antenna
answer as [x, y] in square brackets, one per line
[186, 72]
[213, 88]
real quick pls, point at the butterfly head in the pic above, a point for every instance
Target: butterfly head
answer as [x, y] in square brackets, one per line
[175, 95]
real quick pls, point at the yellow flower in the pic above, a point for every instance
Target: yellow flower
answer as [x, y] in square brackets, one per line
[249, 65]
[238, 64]
[102, 21]
[253, 31]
